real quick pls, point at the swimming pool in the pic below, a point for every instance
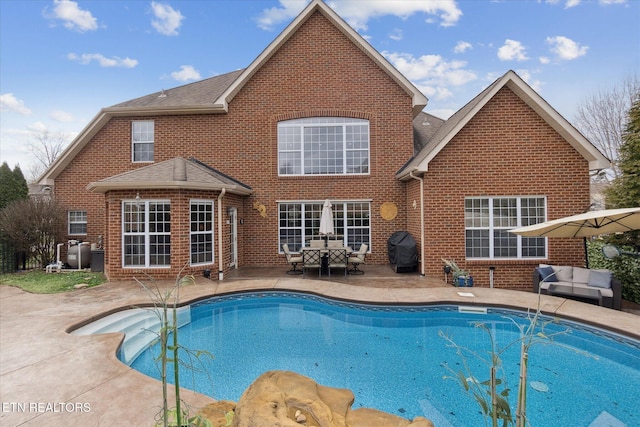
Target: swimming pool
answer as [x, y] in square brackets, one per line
[392, 357]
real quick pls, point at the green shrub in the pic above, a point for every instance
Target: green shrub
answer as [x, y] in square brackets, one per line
[625, 268]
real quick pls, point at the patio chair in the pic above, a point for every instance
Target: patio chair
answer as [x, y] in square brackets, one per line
[338, 259]
[337, 244]
[357, 258]
[317, 244]
[312, 258]
[293, 260]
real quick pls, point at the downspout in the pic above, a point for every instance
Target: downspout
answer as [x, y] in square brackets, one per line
[220, 264]
[421, 220]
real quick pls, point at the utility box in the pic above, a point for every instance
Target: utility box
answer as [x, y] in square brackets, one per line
[97, 261]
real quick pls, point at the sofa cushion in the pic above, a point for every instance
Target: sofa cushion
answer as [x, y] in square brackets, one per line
[600, 279]
[564, 273]
[580, 275]
[605, 292]
[547, 274]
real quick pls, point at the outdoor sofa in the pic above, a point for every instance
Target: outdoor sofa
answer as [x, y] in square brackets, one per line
[578, 282]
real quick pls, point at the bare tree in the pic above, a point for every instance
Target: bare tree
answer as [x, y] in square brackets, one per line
[46, 146]
[602, 118]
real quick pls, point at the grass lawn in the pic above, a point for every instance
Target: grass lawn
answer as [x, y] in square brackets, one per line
[39, 282]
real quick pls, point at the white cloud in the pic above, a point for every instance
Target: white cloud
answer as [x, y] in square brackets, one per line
[168, 20]
[8, 102]
[357, 13]
[512, 50]
[565, 48]
[396, 34]
[61, 116]
[73, 17]
[432, 74]
[186, 73]
[544, 60]
[462, 47]
[571, 3]
[115, 61]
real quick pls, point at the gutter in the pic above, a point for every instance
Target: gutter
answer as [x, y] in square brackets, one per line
[220, 264]
[421, 219]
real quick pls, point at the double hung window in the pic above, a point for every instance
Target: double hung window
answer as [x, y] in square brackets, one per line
[201, 232]
[142, 140]
[77, 222]
[299, 222]
[323, 146]
[487, 225]
[146, 233]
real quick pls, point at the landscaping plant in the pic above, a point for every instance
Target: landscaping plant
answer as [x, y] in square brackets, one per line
[174, 412]
[492, 395]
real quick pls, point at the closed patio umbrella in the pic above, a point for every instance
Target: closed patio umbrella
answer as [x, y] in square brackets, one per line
[326, 220]
[585, 225]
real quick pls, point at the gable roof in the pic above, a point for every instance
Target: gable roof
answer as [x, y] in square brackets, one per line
[176, 173]
[418, 99]
[213, 95]
[446, 132]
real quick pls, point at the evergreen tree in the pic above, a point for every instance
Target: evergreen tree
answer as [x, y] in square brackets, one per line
[625, 190]
[13, 186]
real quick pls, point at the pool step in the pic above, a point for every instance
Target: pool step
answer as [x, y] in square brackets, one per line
[140, 326]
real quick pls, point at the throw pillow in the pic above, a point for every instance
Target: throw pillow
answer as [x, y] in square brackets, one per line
[580, 275]
[547, 274]
[600, 279]
[564, 273]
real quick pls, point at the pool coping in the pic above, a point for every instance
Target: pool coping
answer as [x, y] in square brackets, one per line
[63, 372]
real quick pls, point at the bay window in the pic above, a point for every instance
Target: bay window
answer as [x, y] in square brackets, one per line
[201, 234]
[146, 233]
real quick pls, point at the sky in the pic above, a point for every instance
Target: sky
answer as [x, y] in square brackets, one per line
[62, 61]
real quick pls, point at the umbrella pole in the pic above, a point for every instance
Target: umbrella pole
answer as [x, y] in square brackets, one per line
[586, 253]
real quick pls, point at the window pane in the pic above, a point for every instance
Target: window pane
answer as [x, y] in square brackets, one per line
[505, 213]
[477, 243]
[505, 244]
[77, 222]
[146, 228]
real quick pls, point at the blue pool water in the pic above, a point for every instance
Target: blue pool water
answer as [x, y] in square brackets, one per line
[392, 357]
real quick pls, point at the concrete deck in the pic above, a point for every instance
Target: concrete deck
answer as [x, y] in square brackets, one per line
[49, 377]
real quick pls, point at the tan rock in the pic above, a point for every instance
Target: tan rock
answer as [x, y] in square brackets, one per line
[287, 399]
[216, 412]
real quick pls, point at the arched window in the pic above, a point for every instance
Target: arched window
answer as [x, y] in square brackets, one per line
[323, 146]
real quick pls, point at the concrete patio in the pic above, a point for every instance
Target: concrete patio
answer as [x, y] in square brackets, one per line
[49, 377]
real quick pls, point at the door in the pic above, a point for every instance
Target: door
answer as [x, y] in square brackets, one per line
[233, 238]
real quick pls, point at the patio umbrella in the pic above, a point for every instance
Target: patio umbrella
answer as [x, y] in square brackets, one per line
[585, 225]
[326, 220]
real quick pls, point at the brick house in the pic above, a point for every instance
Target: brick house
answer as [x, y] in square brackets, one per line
[219, 173]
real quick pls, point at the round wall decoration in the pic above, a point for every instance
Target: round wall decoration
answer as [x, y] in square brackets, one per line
[388, 211]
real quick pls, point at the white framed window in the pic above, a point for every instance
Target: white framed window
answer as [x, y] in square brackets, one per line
[489, 219]
[299, 222]
[77, 221]
[142, 140]
[146, 233]
[323, 146]
[201, 234]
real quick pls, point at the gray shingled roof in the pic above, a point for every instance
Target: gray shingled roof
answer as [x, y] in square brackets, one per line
[200, 93]
[425, 125]
[172, 174]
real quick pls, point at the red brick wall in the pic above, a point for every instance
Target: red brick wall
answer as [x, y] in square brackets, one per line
[505, 150]
[317, 72]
